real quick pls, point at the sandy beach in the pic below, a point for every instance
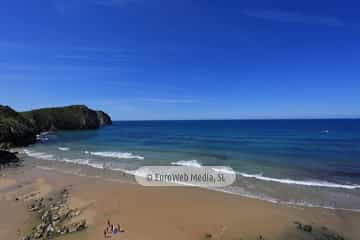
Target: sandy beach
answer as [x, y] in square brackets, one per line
[156, 212]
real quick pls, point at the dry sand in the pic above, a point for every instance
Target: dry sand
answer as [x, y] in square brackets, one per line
[160, 213]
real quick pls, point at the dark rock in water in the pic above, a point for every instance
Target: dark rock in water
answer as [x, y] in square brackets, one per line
[7, 158]
[20, 129]
[15, 130]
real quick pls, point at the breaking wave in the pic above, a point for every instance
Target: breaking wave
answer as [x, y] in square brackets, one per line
[120, 155]
[63, 148]
[299, 182]
[309, 183]
[194, 163]
[188, 163]
[39, 155]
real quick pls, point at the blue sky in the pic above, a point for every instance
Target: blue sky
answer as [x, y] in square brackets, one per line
[164, 59]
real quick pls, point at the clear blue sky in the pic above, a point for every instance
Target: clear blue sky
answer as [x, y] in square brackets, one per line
[186, 59]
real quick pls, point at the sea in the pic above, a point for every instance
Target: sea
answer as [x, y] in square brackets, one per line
[313, 163]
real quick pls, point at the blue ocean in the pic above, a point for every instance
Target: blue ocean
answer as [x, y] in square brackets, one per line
[298, 162]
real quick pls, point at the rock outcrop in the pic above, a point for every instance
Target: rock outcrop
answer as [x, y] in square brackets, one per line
[56, 217]
[8, 158]
[15, 130]
[104, 119]
[318, 233]
[20, 129]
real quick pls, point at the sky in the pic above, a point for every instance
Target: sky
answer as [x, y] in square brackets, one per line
[183, 59]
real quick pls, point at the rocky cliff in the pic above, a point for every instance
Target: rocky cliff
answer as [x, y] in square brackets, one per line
[66, 118]
[20, 129]
[15, 130]
[104, 119]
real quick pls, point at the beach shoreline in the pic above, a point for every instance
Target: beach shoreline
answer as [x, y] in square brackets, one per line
[292, 166]
[292, 189]
[157, 212]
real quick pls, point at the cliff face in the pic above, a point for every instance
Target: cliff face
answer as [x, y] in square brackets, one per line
[19, 129]
[15, 130]
[104, 119]
[65, 118]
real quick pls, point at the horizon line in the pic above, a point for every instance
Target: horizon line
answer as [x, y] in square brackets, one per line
[237, 119]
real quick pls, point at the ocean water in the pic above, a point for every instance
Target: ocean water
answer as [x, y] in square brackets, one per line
[300, 162]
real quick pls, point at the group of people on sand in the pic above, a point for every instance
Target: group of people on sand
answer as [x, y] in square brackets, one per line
[111, 229]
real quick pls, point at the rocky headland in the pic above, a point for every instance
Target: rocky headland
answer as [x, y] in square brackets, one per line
[15, 129]
[21, 128]
[75, 117]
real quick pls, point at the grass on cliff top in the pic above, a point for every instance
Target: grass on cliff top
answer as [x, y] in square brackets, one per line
[70, 117]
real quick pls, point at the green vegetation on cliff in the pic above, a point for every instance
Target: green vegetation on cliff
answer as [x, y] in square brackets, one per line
[15, 130]
[20, 129]
[66, 118]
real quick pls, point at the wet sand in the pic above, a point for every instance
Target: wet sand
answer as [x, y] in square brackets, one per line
[160, 213]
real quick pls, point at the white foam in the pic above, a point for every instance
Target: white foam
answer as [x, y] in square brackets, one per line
[235, 190]
[224, 170]
[120, 155]
[41, 138]
[39, 155]
[306, 204]
[63, 148]
[96, 165]
[299, 182]
[82, 161]
[45, 168]
[244, 193]
[230, 190]
[188, 163]
[131, 172]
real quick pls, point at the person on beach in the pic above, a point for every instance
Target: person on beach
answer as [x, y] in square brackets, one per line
[112, 229]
